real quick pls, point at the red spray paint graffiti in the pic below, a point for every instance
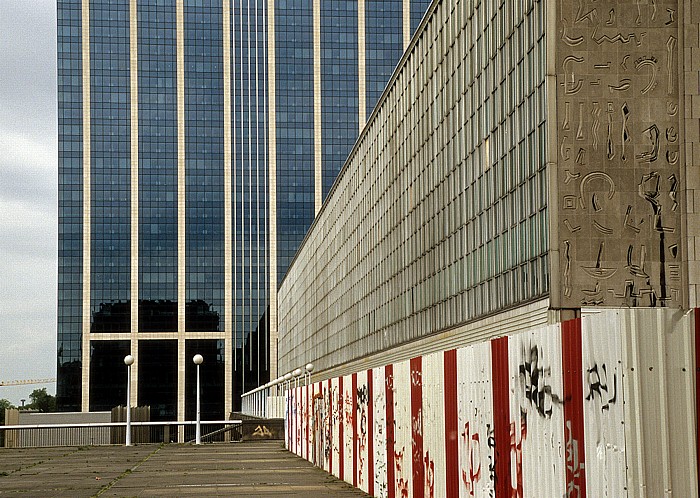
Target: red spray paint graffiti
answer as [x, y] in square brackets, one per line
[472, 474]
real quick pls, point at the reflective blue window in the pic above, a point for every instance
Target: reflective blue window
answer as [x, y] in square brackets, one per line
[204, 177]
[384, 45]
[250, 239]
[295, 127]
[110, 132]
[157, 84]
[339, 85]
[70, 205]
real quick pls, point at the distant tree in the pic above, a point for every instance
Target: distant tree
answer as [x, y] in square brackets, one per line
[4, 403]
[42, 401]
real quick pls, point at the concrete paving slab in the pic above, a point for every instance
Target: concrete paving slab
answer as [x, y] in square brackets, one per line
[255, 469]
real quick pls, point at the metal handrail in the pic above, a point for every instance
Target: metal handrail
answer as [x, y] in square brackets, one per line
[117, 424]
[96, 433]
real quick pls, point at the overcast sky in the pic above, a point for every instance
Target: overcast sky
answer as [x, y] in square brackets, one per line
[28, 194]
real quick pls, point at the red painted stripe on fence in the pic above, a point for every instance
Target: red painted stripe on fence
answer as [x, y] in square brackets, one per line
[451, 429]
[355, 439]
[417, 427]
[390, 450]
[501, 416]
[697, 390]
[341, 432]
[573, 408]
[370, 435]
[308, 419]
[330, 427]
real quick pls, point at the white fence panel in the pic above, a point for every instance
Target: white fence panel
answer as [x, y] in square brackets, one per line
[475, 421]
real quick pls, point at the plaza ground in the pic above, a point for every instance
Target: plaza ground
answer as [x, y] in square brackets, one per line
[260, 469]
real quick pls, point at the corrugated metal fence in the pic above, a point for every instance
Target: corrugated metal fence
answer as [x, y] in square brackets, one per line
[603, 406]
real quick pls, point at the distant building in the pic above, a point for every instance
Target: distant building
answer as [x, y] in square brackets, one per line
[197, 141]
[528, 162]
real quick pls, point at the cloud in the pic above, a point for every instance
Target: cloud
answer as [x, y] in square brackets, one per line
[28, 194]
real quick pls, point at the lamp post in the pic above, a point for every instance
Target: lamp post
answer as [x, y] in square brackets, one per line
[198, 359]
[287, 378]
[309, 368]
[128, 361]
[297, 374]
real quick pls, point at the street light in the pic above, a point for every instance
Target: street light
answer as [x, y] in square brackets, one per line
[297, 374]
[198, 359]
[309, 368]
[128, 361]
[287, 378]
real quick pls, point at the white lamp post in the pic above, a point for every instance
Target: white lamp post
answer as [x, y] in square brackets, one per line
[198, 359]
[287, 378]
[309, 368]
[128, 361]
[297, 374]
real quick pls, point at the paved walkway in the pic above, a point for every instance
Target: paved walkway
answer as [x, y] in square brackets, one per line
[261, 469]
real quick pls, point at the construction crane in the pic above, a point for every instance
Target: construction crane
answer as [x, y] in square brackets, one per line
[25, 382]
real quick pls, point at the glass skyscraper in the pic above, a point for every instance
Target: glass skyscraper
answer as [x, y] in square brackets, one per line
[197, 141]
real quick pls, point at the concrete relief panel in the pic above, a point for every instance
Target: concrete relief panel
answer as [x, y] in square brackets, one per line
[618, 165]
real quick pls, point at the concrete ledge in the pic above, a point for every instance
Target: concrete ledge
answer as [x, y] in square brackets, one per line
[257, 429]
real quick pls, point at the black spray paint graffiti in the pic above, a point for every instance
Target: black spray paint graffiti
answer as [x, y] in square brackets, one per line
[599, 386]
[534, 379]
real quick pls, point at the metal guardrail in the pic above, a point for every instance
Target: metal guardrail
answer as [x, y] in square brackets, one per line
[89, 434]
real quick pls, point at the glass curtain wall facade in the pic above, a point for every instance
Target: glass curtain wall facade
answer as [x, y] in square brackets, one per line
[497, 184]
[440, 214]
[197, 139]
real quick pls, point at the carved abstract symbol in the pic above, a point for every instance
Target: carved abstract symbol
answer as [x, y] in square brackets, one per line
[570, 176]
[671, 135]
[624, 84]
[670, 51]
[579, 129]
[628, 220]
[611, 17]
[653, 10]
[567, 269]
[572, 229]
[623, 64]
[637, 270]
[598, 271]
[653, 63]
[596, 124]
[567, 116]
[573, 86]
[649, 191]
[610, 144]
[638, 38]
[594, 297]
[651, 155]
[672, 108]
[673, 191]
[671, 156]
[596, 175]
[564, 150]
[572, 42]
[625, 132]
[671, 16]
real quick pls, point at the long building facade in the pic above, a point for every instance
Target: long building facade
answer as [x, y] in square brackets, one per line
[527, 163]
[197, 141]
